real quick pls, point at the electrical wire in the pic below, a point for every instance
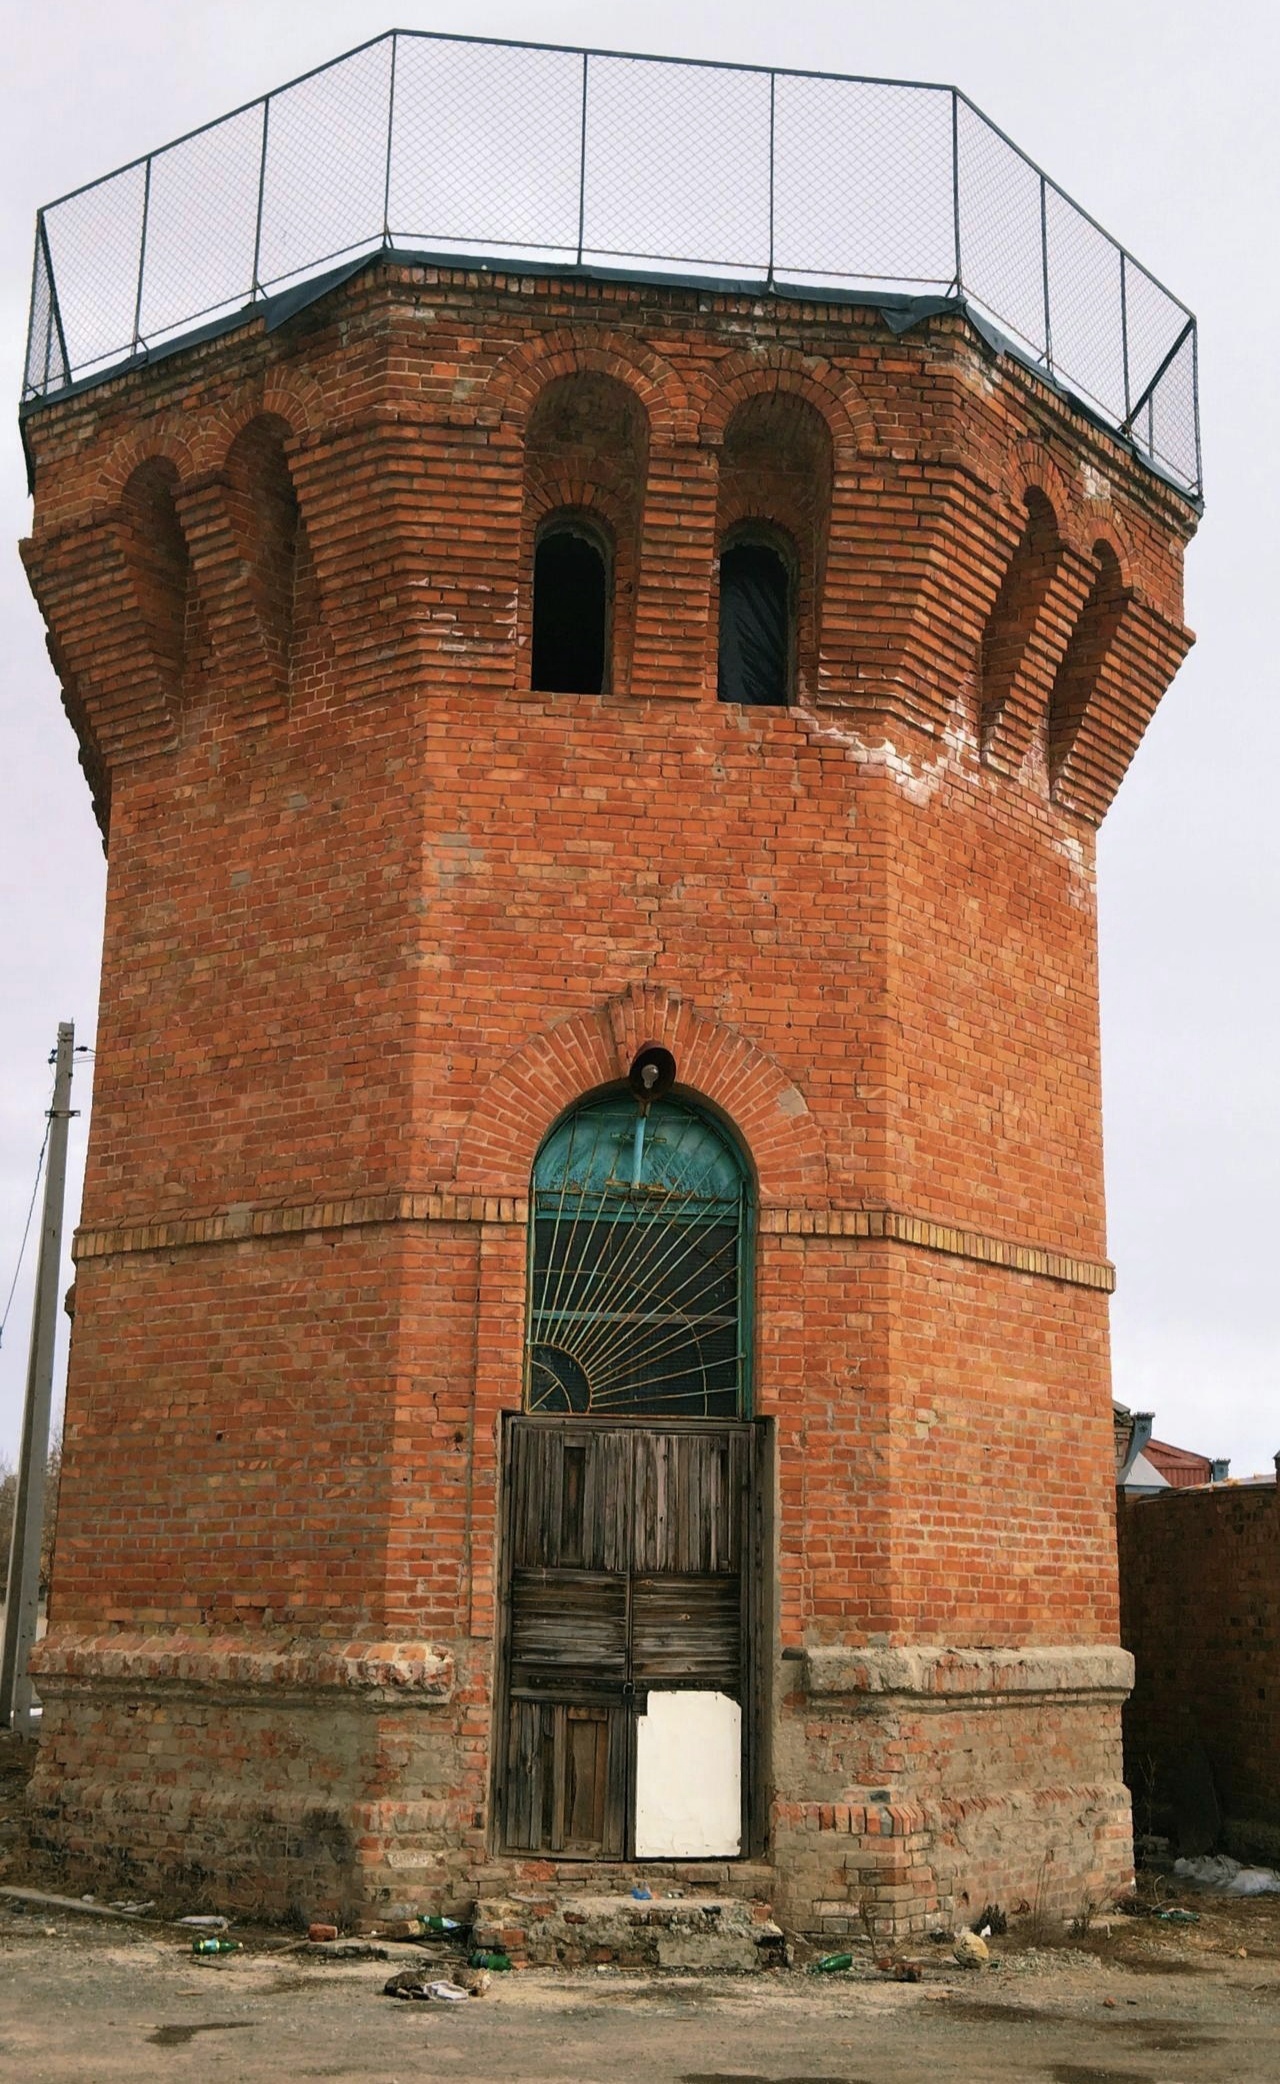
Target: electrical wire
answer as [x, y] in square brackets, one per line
[26, 1228]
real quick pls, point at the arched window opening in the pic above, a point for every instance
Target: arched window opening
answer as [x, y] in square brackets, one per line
[639, 1265]
[161, 563]
[776, 468]
[570, 611]
[756, 632]
[585, 470]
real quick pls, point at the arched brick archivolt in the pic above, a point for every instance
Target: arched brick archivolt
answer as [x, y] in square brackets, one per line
[159, 443]
[715, 1062]
[1032, 469]
[668, 611]
[743, 376]
[516, 384]
[844, 596]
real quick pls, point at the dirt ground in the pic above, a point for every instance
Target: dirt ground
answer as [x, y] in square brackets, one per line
[100, 2002]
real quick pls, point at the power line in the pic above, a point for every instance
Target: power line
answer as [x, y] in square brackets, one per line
[26, 1228]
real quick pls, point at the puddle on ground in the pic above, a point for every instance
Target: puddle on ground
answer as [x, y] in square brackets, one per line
[1163, 2040]
[1080, 2073]
[982, 2011]
[1172, 1964]
[285, 1984]
[178, 2036]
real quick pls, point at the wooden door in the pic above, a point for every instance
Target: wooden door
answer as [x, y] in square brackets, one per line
[627, 1566]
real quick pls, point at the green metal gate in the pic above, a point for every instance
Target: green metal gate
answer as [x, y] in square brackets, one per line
[639, 1286]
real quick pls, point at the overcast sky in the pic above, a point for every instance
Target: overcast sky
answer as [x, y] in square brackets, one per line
[1162, 121]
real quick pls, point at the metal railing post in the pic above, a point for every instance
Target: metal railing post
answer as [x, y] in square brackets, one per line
[262, 186]
[142, 256]
[1044, 270]
[773, 110]
[582, 158]
[55, 308]
[1124, 328]
[955, 189]
[1195, 405]
[29, 366]
[391, 119]
[53, 323]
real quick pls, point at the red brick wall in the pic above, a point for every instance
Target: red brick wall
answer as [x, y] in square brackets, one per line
[377, 914]
[1200, 1610]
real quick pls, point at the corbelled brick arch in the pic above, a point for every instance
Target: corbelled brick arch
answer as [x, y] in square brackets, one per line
[161, 438]
[108, 589]
[673, 582]
[779, 373]
[745, 375]
[1041, 589]
[585, 452]
[588, 1050]
[246, 521]
[1124, 651]
[1068, 622]
[513, 390]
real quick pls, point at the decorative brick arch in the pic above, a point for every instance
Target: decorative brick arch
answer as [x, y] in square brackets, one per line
[589, 1050]
[233, 424]
[291, 395]
[575, 495]
[1034, 470]
[518, 382]
[1099, 524]
[743, 376]
[155, 444]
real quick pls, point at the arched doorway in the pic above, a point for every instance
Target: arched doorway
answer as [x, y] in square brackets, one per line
[626, 1717]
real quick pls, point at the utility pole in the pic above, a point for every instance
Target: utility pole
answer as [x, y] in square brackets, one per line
[22, 1601]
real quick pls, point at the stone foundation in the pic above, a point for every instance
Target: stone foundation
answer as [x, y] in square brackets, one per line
[290, 1779]
[279, 1778]
[959, 1777]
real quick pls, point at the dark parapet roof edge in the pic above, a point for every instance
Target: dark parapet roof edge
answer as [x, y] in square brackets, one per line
[901, 313]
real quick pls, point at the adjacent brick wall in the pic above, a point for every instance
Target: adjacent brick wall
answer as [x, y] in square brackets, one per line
[377, 914]
[1200, 1610]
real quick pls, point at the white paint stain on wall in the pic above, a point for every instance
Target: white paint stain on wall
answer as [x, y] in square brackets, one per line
[689, 1777]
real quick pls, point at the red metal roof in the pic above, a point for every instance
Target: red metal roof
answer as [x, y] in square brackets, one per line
[1178, 1465]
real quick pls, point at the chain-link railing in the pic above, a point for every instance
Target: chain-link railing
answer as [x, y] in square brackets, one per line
[531, 154]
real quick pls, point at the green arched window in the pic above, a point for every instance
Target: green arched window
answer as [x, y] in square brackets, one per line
[640, 1265]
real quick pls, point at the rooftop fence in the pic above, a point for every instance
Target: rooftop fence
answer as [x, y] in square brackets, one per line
[537, 156]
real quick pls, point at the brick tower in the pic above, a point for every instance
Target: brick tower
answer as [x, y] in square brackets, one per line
[591, 1311]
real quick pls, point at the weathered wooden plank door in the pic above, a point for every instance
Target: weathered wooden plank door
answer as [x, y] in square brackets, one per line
[627, 1568]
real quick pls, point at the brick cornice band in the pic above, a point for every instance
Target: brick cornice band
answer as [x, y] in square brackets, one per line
[1001, 1677]
[899, 1226]
[194, 1661]
[895, 1226]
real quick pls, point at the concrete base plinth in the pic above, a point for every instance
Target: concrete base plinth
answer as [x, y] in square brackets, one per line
[288, 1779]
[557, 1930]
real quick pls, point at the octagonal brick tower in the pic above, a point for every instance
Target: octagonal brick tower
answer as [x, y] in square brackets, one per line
[375, 1587]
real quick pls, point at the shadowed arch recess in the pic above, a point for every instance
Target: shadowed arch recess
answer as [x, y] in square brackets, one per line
[639, 1269]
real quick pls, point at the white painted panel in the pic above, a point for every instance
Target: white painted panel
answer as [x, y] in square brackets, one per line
[689, 1777]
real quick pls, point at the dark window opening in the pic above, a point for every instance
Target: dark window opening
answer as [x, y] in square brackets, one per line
[570, 614]
[755, 625]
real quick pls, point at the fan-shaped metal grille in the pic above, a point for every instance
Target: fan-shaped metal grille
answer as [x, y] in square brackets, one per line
[636, 1281]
